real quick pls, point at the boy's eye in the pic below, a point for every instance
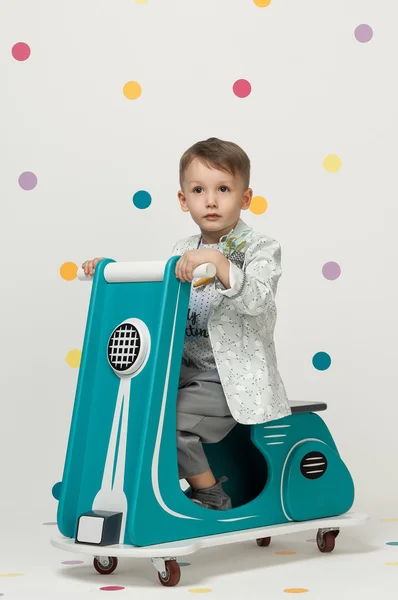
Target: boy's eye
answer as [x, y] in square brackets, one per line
[199, 190]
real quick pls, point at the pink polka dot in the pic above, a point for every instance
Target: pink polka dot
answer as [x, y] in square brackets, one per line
[51, 523]
[72, 562]
[242, 88]
[21, 51]
[112, 588]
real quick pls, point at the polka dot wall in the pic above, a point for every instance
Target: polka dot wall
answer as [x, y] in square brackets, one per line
[331, 163]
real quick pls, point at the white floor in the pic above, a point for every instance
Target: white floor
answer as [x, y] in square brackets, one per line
[362, 566]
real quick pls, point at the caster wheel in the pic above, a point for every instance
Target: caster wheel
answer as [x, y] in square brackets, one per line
[263, 541]
[326, 541]
[172, 575]
[105, 569]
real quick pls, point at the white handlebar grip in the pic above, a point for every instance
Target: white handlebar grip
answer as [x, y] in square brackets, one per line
[126, 272]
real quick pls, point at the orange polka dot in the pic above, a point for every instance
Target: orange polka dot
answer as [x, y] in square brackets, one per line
[285, 552]
[296, 591]
[68, 271]
[258, 205]
[132, 90]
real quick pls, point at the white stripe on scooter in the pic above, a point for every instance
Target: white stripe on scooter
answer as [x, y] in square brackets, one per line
[237, 519]
[118, 483]
[156, 452]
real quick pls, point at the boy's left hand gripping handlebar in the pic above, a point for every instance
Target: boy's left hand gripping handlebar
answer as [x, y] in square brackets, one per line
[128, 272]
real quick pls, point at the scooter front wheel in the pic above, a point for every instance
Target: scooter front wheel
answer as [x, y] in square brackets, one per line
[106, 566]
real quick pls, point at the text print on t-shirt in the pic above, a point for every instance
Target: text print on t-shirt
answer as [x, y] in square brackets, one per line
[191, 330]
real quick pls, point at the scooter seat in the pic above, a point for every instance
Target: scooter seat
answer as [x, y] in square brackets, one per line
[300, 406]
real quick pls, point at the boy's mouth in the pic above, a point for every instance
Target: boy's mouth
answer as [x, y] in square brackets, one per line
[212, 216]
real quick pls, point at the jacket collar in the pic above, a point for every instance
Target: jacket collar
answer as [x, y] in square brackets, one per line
[239, 230]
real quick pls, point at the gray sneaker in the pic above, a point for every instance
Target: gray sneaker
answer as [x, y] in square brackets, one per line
[213, 497]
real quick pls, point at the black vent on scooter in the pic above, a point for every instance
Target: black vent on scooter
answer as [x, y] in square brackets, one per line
[123, 347]
[313, 465]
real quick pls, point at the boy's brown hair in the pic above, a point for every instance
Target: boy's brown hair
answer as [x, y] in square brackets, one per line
[218, 154]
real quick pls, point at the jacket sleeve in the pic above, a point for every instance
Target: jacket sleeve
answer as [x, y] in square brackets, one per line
[253, 288]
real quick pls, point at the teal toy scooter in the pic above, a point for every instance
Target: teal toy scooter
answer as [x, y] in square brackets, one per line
[120, 492]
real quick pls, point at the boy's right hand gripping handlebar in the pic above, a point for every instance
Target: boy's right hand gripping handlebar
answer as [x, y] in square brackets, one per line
[128, 272]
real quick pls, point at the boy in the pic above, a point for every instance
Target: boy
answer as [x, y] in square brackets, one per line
[229, 369]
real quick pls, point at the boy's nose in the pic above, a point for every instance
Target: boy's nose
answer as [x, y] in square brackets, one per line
[211, 201]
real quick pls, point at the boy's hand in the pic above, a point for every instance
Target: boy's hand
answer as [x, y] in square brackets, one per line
[192, 259]
[89, 265]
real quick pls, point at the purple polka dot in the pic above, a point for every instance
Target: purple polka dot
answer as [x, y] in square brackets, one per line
[72, 562]
[331, 270]
[112, 588]
[363, 33]
[27, 180]
[242, 88]
[20, 51]
[51, 523]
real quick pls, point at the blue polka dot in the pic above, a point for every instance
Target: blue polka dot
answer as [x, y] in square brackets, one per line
[321, 361]
[184, 564]
[142, 199]
[56, 491]
[392, 543]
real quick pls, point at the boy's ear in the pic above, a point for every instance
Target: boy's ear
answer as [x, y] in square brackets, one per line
[247, 198]
[183, 201]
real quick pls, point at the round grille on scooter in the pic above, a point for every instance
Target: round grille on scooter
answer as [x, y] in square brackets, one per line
[313, 465]
[128, 347]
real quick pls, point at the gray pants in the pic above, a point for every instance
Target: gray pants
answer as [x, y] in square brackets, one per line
[202, 416]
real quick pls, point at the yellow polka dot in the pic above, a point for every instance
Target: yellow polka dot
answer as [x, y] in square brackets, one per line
[332, 163]
[285, 552]
[73, 358]
[262, 3]
[392, 564]
[132, 90]
[295, 591]
[390, 520]
[141, 1]
[68, 271]
[200, 591]
[258, 205]
[11, 575]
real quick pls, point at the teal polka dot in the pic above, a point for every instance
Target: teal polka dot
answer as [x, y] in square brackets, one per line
[56, 491]
[321, 361]
[392, 543]
[142, 199]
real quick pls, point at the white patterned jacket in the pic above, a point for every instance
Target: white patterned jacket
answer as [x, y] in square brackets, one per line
[242, 322]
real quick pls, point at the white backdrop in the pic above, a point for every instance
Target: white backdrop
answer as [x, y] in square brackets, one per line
[316, 90]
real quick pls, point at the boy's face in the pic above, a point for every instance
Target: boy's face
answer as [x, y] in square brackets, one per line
[209, 191]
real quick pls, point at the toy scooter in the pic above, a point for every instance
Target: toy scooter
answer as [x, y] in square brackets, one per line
[120, 493]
